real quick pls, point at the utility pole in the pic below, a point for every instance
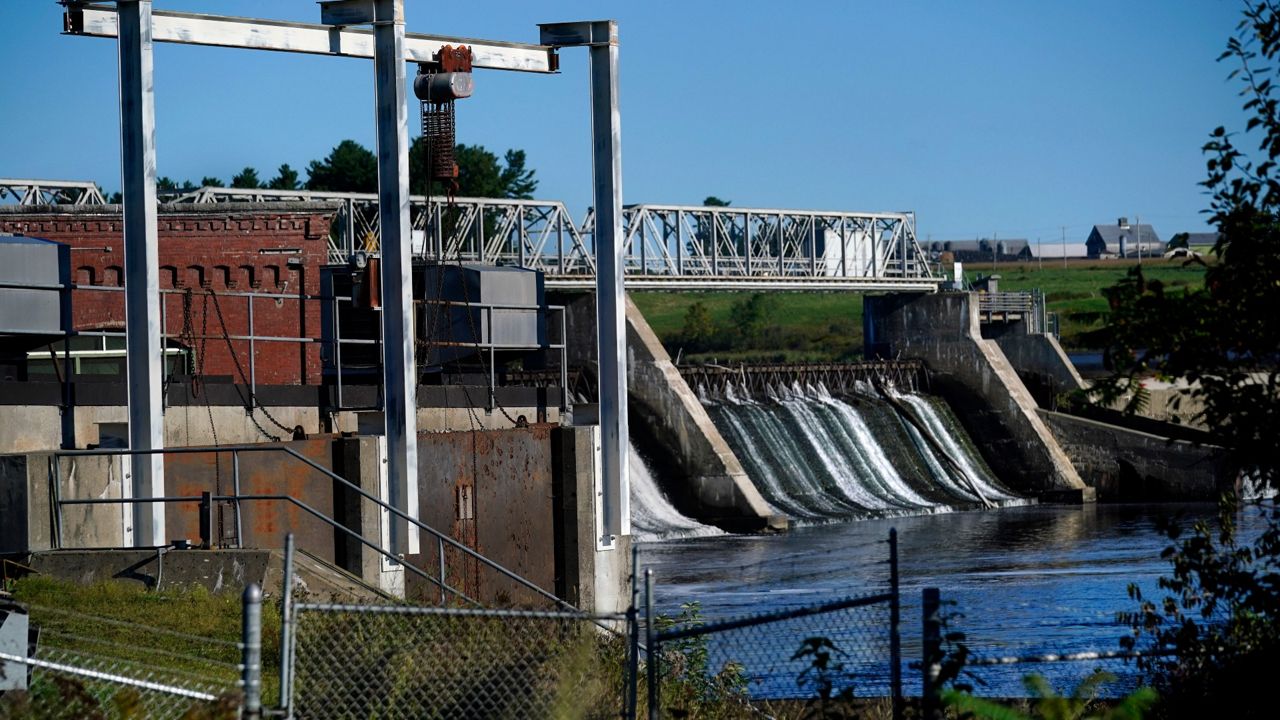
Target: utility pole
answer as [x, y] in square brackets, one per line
[1039, 255]
[1137, 226]
[1064, 247]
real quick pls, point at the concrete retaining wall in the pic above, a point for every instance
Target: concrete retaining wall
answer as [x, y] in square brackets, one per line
[1126, 465]
[36, 427]
[979, 383]
[1039, 360]
[713, 485]
[663, 401]
[494, 491]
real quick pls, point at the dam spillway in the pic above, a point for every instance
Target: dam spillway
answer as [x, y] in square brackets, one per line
[820, 457]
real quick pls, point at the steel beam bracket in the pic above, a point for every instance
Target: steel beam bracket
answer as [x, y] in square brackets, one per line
[357, 12]
[586, 33]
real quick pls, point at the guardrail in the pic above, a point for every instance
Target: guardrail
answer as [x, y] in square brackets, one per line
[249, 374]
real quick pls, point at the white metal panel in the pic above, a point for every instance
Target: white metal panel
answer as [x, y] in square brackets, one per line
[257, 34]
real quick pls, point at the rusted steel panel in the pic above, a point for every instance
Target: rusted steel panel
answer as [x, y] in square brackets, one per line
[492, 491]
[265, 523]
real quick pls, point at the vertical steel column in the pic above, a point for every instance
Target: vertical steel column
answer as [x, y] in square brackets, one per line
[141, 267]
[399, 379]
[606, 144]
[601, 37]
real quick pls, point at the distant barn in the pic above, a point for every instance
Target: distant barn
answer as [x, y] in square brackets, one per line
[981, 250]
[1124, 240]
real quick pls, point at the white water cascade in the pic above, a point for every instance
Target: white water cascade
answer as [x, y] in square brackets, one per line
[652, 515]
[818, 457]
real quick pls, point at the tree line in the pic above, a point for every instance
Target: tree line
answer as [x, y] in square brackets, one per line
[351, 167]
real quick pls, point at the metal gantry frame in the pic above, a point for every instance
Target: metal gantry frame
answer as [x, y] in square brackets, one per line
[137, 28]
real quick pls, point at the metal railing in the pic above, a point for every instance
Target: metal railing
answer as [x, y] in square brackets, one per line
[1028, 306]
[335, 343]
[442, 539]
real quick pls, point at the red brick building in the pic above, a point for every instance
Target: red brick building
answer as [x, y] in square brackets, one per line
[222, 267]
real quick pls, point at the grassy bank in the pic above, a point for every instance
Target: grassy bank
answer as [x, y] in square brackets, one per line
[1074, 289]
[827, 326]
[806, 327]
[183, 637]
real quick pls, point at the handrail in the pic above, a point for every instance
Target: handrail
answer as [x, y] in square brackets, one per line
[441, 538]
[444, 586]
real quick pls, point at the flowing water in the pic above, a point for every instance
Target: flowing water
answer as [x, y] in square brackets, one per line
[653, 517]
[1027, 579]
[818, 457]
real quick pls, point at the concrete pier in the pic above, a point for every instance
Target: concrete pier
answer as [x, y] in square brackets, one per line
[982, 387]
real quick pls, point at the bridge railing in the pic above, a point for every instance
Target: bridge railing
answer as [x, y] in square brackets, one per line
[680, 243]
[658, 240]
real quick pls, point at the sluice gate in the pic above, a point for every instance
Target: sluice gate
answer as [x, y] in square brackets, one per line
[760, 379]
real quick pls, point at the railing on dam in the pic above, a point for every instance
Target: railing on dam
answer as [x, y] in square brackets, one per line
[664, 246]
[1027, 306]
[760, 379]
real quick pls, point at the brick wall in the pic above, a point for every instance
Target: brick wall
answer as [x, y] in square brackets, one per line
[212, 257]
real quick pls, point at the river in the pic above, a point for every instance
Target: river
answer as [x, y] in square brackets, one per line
[1027, 580]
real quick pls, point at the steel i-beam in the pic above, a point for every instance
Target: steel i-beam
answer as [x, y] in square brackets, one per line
[399, 374]
[141, 267]
[606, 156]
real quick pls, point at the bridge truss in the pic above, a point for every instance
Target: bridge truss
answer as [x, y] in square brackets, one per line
[665, 246]
[50, 192]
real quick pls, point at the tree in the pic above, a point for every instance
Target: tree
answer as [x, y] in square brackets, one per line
[167, 186]
[480, 174]
[713, 201]
[286, 179]
[247, 179]
[1220, 609]
[349, 167]
[754, 316]
[698, 331]
[212, 182]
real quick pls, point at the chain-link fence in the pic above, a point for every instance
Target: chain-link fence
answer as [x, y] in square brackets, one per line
[417, 662]
[831, 652]
[81, 665]
[819, 657]
[1055, 664]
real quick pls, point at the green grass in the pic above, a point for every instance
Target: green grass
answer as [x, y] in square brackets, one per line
[827, 326]
[1075, 291]
[812, 326]
[176, 634]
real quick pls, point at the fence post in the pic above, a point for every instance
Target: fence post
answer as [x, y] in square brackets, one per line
[929, 667]
[633, 632]
[286, 630]
[251, 651]
[651, 666]
[895, 619]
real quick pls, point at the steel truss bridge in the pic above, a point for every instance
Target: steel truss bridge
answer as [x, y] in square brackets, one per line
[665, 246]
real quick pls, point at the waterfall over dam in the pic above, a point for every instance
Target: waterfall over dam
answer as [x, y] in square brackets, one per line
[820, 457]
[653, 517]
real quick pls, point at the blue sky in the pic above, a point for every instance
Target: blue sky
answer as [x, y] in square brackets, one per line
[1008, 118]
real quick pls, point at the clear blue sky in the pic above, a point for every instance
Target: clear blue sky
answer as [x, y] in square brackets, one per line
[1013, 118]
